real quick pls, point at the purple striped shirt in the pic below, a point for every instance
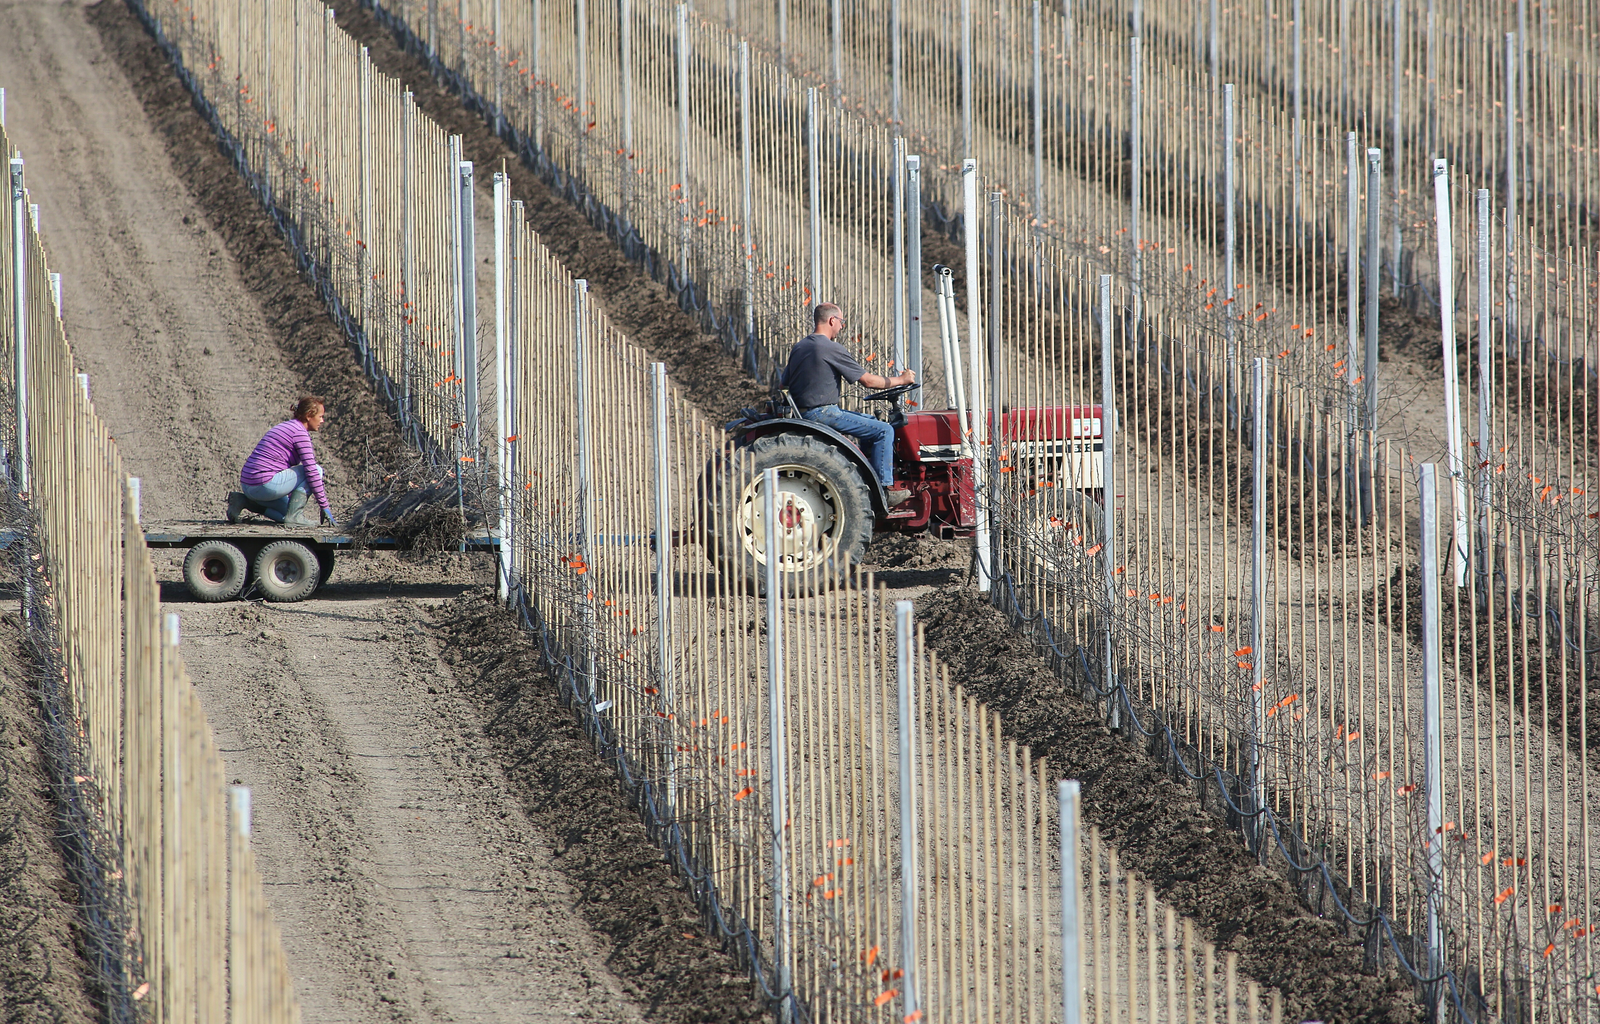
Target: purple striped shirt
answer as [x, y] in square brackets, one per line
[285, 445]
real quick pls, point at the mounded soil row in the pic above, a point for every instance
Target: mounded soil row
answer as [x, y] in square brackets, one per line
[1159, 827]
[276, 706]
[43, 975]
[1197, 865]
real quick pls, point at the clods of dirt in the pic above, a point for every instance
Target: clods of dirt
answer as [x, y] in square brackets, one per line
[639, 306]
[1159, 827]
[627, 890]
[42, 974]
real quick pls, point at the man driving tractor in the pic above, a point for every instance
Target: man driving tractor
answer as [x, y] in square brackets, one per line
[816, 365]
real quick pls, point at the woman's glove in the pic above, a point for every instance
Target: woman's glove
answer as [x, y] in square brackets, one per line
[327, 514]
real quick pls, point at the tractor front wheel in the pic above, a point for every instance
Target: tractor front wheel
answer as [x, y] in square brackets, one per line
[824, 512]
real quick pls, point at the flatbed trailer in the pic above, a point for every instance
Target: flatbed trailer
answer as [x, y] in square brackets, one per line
[285, 563]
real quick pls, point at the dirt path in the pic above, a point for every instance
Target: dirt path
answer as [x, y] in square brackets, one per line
[407, 877]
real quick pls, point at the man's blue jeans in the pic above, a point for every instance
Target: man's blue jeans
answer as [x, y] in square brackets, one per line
[876, 436]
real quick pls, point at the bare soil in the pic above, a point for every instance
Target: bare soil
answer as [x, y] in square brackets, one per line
[1160, 828]
[639, 306]
[408, 879]
[43, 977]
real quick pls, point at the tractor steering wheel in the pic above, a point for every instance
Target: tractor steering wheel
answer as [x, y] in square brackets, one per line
[890, 394]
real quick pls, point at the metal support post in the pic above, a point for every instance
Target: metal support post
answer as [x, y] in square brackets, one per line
[408, 272]
[1352, 264]
[1135, 176]
[783, 32]
[685, 216]
[896, 123]
[898, 183]
[364, 210]
[966, 79]
[1038, 118]
[1511, 124]
[536, 68]
[499, 59]
[238, 980]
[1374, 280]
[910, 876]
[981, 435]
[663, 514]
[55, 291]
[469, 303]
[1433, 723]
[502, 424]
[1258, 592]
[1299, 79]
[581, 45]
[1452, 387]
[836, 33]
[511, 395]
[813, 198]
[996, 381]
[777, 724]
[1229, 246]
[1485, 385]
[19, 321]
[625, 83]
[747, 188]
[1396, 149]
[1108, 470]
[580, 387]
[1068, 799]
[913, 264]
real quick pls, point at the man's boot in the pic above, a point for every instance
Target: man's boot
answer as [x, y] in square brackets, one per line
[237, 503]
[896, 496]
[301, 512]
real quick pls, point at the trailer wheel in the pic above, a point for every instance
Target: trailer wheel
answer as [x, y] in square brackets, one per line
[215, 571]
[287, 571]
[825, 512]
[325, 561]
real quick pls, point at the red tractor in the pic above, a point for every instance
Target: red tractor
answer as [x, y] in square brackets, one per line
[831, 503]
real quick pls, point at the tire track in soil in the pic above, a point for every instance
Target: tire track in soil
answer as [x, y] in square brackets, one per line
[408, 883]
[1198, 866]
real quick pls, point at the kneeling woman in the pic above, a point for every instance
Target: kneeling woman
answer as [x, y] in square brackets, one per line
[282, 473]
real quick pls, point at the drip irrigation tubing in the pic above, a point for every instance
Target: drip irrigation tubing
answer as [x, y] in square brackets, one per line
[730, 928]
[1037, 624]
[91, 852]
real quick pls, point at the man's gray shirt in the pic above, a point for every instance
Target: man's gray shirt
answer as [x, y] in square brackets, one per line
[815, 366]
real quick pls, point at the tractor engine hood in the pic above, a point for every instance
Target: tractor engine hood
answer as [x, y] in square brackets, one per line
[935, 436]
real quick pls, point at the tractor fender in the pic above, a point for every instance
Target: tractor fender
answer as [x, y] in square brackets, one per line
[844, 442]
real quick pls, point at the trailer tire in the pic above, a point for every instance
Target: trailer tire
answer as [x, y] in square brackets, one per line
[287, 571]
[215, 570]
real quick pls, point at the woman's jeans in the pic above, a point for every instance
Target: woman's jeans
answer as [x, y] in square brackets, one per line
[273, 496]
[876, 436]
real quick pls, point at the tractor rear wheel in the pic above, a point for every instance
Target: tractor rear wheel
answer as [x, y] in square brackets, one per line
[1066, 527]
[825, 513]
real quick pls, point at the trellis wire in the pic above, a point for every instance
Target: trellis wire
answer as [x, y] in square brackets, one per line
[582, 574]
[160, 873]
